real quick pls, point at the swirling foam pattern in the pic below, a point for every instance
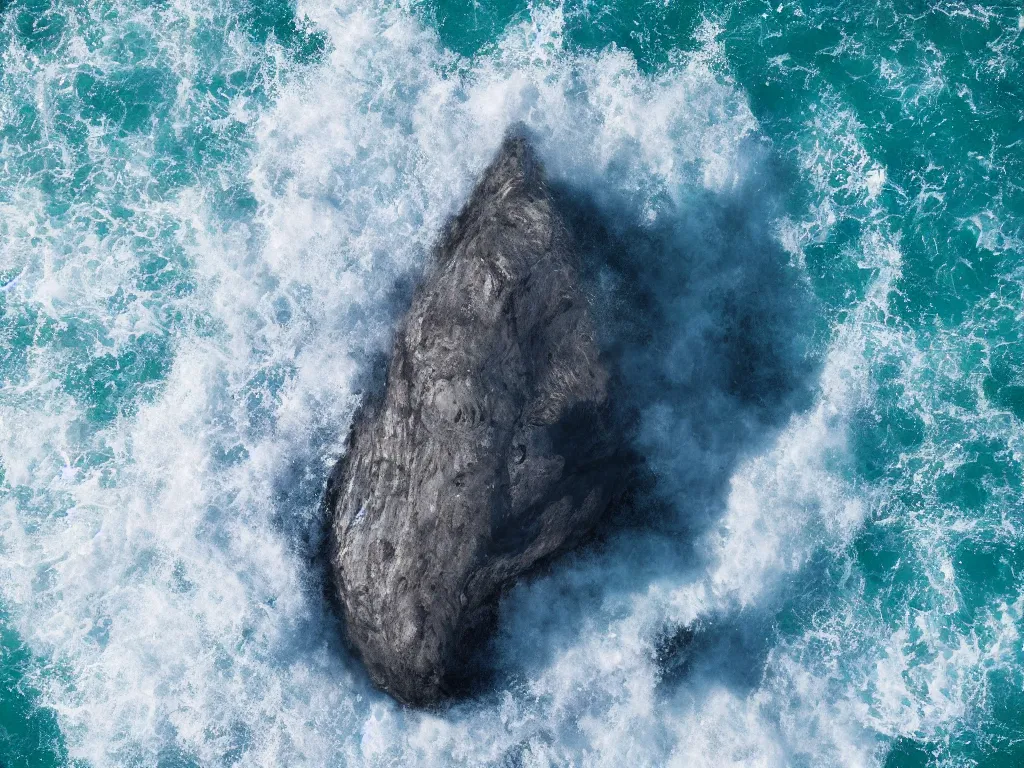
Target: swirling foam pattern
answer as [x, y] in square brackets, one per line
[207, 210]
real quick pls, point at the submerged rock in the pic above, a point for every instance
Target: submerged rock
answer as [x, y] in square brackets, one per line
[490, 448]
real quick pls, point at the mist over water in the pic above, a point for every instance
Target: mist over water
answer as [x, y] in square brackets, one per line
[803, 241]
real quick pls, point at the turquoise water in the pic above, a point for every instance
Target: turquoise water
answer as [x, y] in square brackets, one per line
[205, 209]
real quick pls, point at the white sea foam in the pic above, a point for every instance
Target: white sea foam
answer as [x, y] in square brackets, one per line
[170, 593]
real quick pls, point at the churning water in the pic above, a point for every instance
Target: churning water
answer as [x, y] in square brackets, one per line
[207, 210]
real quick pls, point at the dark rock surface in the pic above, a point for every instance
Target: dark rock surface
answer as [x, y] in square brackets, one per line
[490, 448]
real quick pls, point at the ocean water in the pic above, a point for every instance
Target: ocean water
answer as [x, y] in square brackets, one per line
[207, 211]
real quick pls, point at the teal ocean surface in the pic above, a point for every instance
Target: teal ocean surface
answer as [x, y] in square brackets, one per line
[205, 209]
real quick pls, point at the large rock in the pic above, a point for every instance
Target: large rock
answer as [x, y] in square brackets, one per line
[489, 449]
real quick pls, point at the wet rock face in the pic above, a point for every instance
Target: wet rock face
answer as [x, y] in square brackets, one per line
[489, 449]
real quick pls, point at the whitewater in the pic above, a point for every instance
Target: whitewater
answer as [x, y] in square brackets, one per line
[209, 215]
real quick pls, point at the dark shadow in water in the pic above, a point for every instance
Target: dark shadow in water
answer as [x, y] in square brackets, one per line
[708, 331]
[728, 649]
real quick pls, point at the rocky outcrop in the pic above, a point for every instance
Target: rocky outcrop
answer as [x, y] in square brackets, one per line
[489, 449]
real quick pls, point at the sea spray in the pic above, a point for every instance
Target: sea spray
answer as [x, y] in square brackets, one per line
[206, 213]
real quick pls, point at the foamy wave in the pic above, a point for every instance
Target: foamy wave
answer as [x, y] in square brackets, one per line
[172, 596]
